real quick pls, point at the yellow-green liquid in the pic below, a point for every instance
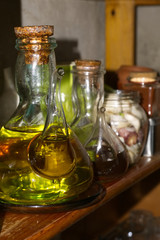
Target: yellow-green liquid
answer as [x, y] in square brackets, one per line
[20, 184]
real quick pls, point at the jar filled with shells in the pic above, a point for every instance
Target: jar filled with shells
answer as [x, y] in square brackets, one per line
[128, 119]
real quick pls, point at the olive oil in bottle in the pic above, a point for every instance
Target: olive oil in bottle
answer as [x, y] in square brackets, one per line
[42, 163]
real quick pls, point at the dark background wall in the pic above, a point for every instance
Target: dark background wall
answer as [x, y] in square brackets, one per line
[10, 16]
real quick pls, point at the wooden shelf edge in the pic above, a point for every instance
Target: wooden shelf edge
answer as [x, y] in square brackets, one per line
[135, 2]
[45, 226]
[147, 2]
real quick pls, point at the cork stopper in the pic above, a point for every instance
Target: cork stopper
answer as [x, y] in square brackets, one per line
[35, 39]
[93, 64]
[34, 31]
[88, 70]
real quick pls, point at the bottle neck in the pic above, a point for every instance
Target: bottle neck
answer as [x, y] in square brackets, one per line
[87, 94]
[55, 125]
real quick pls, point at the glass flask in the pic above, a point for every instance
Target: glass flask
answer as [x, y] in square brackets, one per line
[108, 154]
[88, 88]
[128, 120]
[102, 145]
[40, 167]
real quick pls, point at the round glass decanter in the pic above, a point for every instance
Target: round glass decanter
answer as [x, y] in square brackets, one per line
[57, 154]
[128, 120]
[24, 180]
[108, 154]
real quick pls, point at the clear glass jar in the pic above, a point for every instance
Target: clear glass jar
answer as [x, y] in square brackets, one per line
[128, 120]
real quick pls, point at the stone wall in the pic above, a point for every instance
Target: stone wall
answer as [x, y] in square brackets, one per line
[79, 25]
[148, 36]
[79, 31]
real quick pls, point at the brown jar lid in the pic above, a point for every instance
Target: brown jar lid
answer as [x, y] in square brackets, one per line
[34, 31]
[143, 77]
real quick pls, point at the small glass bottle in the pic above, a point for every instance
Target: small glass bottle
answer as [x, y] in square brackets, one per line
[28, 178]
[103, 146]
[128, 120]
[88, 89]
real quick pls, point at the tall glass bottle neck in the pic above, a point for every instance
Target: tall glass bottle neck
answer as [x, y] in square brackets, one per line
[87, 92]
[87, 97]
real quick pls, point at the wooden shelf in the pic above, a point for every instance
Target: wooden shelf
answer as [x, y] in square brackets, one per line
[22, 226]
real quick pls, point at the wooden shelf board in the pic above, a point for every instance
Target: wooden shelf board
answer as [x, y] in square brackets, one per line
[136, 2]
[22, 226]
[147, 2]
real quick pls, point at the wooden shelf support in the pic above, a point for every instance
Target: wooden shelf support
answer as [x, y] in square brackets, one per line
[120, 31]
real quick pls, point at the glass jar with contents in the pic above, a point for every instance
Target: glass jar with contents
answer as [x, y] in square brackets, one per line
[128, 120]
[147, 84]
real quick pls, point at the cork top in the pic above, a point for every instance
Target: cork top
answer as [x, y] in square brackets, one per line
[88, 63]
[89, 71]
[31, 39]
[34, 31]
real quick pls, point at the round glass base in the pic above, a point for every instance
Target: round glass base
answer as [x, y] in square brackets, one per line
[92, 195]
